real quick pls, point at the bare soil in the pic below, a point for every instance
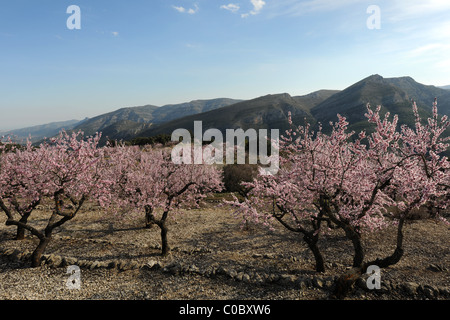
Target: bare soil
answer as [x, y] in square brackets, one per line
[208, 239]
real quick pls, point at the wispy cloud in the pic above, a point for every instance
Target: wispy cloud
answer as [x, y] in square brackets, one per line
[258, 5]
[179, 9]
[231, 7]
[416, 9]
[298, 8]
[115, 33]
[184, 10]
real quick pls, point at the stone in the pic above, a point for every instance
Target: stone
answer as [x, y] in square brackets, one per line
[8, 252]
[273, 278]
[246, 278]
[15, 255]
[239, 276]
[173, 268]
[102, 264]
[436, 268]
[410, 288]
[222, 270]
[232, 273]
[121, 264]
[258, 278]
[429, 292]
[318, 283]
[151, 265]
[57, 261]
[54, 260]
[329, 282]
[302, 285]
[193, 268]
[445, 292]
[287, 279]
[70, 261]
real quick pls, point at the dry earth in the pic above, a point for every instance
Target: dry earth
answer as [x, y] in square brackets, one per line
[213, 258]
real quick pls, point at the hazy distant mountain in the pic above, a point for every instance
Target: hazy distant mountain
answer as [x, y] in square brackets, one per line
[39, 132]
[445, 87]
[126, 122]
[143, 114]
[270, 111]
[393, 94]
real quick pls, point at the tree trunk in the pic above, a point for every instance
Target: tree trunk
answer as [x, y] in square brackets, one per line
[355, 238]
[39, 251]
[149, 221]
[312, 244]
[149, 217]
[346, 281]
[164, 243]
[20, 235]
[395, 256]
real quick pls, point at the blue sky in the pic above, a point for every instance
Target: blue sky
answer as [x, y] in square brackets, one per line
[131, 53]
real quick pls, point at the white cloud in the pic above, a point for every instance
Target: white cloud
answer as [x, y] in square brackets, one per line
[258, 5]
[115, 33]
[416, 9]
[183, 10]
[193, 11]
[179, 9]
[231, 7]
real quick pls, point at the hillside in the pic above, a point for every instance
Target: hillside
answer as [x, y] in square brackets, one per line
[269, 111]
[393, 94]
[265, 112]
[40, 132]
[124, 123]
[133, 114]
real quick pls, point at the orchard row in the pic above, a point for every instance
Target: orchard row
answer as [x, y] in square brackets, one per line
[358, 182]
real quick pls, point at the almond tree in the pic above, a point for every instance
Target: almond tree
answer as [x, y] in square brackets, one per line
[350, 182]
[20, 183]
[66, 171]
[411, 173]
[146, 180]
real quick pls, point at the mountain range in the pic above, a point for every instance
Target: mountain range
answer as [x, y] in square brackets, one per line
[265, 112]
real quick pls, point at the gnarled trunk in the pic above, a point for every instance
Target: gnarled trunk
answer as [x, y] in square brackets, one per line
[20, 234]
[39, 251]
[345, 282]
[312, 244]
[164, 243]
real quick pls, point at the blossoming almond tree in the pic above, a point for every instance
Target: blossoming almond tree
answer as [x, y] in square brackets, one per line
[146, 180]
[20, 183]
[351, 182]
[417, 175]
[66, 171]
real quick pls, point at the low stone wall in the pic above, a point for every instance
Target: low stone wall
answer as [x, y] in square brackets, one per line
[408, 290]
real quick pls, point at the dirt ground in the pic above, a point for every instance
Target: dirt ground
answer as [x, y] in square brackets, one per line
[222, 260]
